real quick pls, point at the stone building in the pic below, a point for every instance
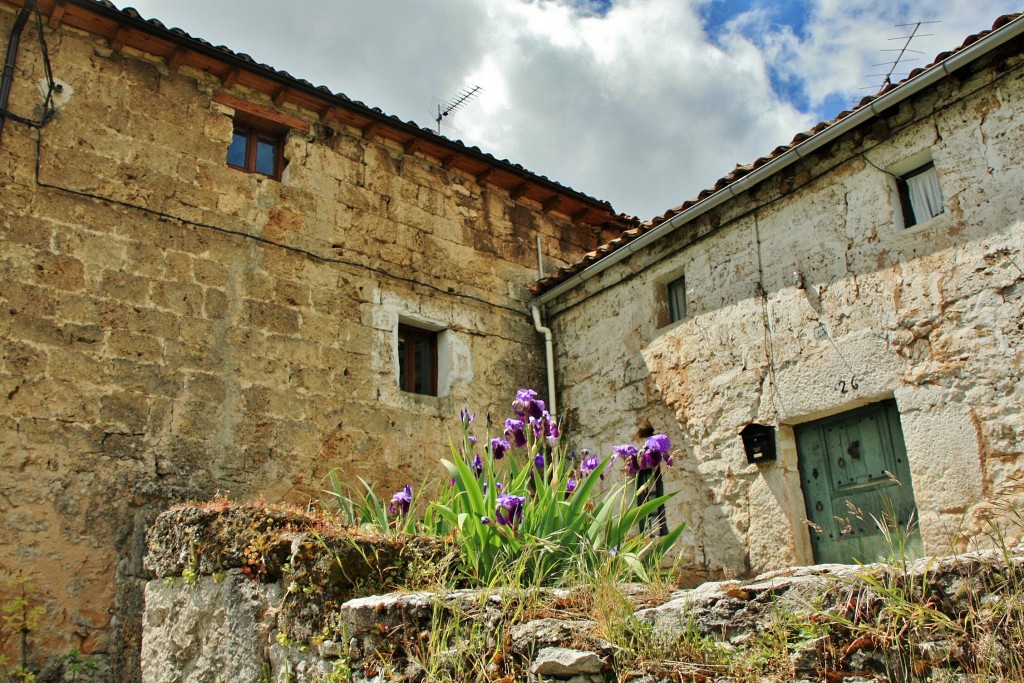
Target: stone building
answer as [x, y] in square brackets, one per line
[219, 278]
[853, 301]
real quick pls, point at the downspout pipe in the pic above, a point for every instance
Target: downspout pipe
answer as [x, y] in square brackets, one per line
[549, 343]
[549, 357]
[12, 56]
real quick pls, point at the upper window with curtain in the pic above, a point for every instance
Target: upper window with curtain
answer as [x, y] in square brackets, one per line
[920, 195]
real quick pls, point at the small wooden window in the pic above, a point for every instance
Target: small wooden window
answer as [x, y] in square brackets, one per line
[256, 151]
[677, 299]
[417, 360]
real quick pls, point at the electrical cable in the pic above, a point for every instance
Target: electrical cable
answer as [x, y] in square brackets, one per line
[261, 240]
[769, 346]
[48, 110]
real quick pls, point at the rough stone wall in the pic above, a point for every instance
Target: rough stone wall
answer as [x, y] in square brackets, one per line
[929, 315]
[839, 623]
[172, 327]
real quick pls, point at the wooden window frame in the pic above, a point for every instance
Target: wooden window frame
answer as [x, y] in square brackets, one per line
[264, 122]
[408, 372]
[253, 136]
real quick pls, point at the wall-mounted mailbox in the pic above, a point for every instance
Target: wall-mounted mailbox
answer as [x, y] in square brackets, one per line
[758, 442]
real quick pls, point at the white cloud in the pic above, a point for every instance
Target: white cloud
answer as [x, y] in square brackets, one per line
[635, 106]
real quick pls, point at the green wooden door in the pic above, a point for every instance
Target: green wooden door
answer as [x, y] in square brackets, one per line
[854, 471]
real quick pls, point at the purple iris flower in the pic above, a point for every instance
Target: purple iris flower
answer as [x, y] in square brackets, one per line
[521, 406]
[571, 485]
[471, 439]
[625, 451]
[466, 417]
[657, 450]
[477, 465]
[660, 443]
[553, 434]
[527, 404]
[647, 459]
[538, 461]
[497, 485]
[663, 445]
[510, 509]
[499, 447]
[537, 427]
[514, 432]
[401, 501]
[589, 463]
[628, 453]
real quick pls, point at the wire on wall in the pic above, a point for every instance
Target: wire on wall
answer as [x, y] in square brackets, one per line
[261, 240]
[769, 347]
[14, 42]
[48, 113]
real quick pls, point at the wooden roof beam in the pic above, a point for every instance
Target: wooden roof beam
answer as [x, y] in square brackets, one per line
[414, 145]
[371, 130]
[581, 215]
[261, 112]
[231, 79]
[551, 203]
[519, 191]
[177, 60]
[482, 177]
[120, 37]
[57, 15]
[281, 95]
[448, 163]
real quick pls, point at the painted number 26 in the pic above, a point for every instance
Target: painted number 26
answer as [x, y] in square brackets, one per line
[844, 387]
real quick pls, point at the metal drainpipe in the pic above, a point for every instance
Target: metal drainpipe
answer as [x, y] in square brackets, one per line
[549, 356]
[549, 344]
[12, 56]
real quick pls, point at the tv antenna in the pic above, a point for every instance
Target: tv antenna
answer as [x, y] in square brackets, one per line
[449, 108]
[901, 57]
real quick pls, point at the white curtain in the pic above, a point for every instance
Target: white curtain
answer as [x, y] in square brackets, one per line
[925, 195]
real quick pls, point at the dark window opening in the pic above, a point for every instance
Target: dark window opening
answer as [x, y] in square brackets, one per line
[677, 299]
[920, 195]
[417, 360]
[256, 151]
[650, 484]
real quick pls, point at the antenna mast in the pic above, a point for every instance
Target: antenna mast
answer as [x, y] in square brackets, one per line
[900, 58]
[454, 104]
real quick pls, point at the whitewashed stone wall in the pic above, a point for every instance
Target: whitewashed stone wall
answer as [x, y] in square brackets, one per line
[930, 316]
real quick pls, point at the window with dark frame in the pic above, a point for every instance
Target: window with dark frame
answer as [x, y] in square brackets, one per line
[677, 299]
[417, 360]
[920, 195]
[256, 151]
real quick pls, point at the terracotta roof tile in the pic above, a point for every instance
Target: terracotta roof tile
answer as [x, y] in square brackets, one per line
[132, 13]
[739, 171]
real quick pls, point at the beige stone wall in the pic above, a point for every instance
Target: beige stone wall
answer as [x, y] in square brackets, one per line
[172, 328]
[930, 315]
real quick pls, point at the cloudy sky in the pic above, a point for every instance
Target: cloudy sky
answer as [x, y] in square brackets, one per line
[638, 102]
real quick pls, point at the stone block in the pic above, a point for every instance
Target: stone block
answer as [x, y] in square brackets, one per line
[216, 304]
[270, 317]
[178, 297]
[123, 344]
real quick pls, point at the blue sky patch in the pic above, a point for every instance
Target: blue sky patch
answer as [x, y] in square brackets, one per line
[775, 16]
[592, 7]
